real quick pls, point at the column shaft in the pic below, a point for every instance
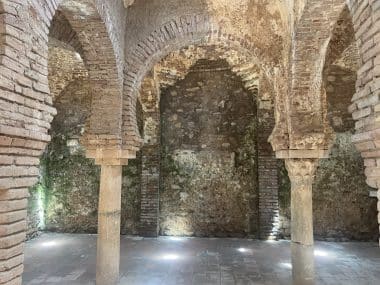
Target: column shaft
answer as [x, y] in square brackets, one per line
[108, 247]
[301, 174]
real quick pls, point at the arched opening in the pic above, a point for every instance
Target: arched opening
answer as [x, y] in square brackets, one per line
[65, 199]
[77, 44]
[191, 151]
[343, 208]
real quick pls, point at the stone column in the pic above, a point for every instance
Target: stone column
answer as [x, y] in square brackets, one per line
[108, 247]
[301, 174]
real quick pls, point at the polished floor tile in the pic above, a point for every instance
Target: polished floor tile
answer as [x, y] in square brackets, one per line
[66, 259]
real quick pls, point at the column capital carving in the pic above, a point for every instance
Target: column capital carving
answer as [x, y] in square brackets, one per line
[301, 171]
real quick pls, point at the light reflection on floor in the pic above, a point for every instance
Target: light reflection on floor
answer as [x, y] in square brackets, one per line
[70, 260]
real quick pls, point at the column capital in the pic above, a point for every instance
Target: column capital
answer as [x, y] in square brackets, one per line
[301, 171]
[301, 168]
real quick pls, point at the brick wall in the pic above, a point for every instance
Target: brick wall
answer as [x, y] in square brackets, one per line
[25, 115]
[151, 156]
[194, 23]
[267, 164]
[26, 104]
[365, 107]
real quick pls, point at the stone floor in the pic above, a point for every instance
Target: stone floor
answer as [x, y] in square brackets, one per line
[70, 260]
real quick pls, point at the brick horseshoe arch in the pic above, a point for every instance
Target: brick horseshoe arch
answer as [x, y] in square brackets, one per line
[174, 35]
[98, 51]
[365, 102]
[27, 105]
[366, 28]
[240, 64]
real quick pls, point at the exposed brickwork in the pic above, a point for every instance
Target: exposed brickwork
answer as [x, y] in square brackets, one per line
[65, 66]
[167, 72]
[62, 31]
[365, 18]
[150, 153]
[309, 50]
[174, 67]
[26, 105]
[267, 164]
[365, 107]
[116, 72]
[177, 33]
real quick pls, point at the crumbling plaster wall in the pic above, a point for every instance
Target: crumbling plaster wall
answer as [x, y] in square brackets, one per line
[208, 165]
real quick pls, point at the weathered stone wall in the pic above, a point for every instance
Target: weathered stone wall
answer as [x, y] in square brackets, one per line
[209, 161]
[66, 214]
[342, 207]
[27, 105]
[130, 222]
[70, 180]
[65, 65]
